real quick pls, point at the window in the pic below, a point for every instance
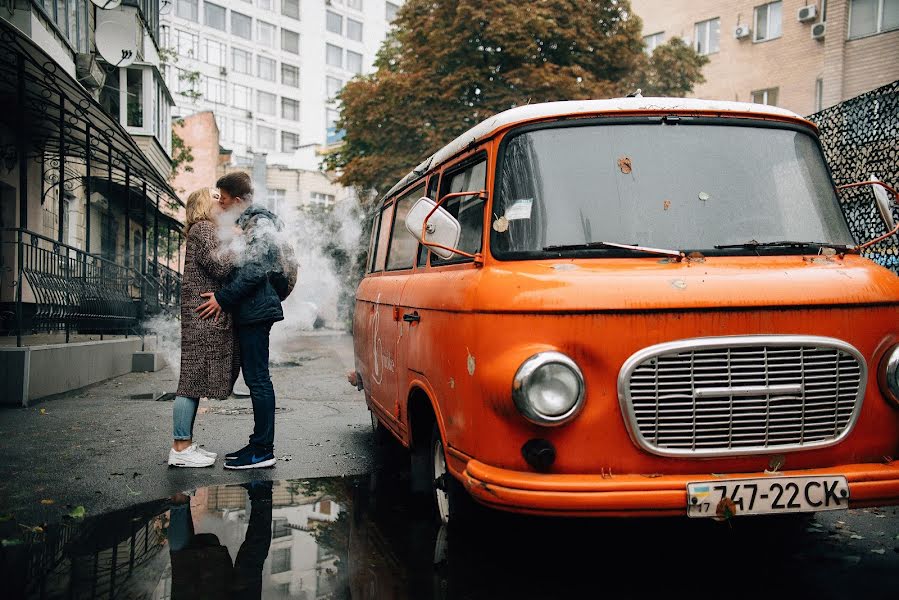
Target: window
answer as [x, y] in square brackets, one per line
[383, 238]
[189, 9]
[290, 75]
[403, 245]
[241, 97]
[469, 210]
[275, 202]
[280, 526]
[240, 132]
[214, 53]
[187, 44]
[334, 55]
[265, 68]
[214, 15]
[334, 86]
[354, 30]
[819, 94]
[241, 25]
[332, 134]
[334, 23]
[867, 17]
[289, 141]
[390, 10]
[265, 4]
[266, 137]
[265, 34]
[135, 103]
[353, 62]
[768, 96]
[322, 200]
[242, 61]
[768, 21]
[707, 34]
[280, 560]
[290, 41]
[290, 109]
[290, 8]
[651, 42]
[266, 103]
[214, 89]
[354, 4]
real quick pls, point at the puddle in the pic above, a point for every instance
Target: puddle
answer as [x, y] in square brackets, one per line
[368, 538]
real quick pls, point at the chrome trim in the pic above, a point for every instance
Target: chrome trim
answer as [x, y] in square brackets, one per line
[524, 373]
[725, 342]
[748, 390]
[888, 375]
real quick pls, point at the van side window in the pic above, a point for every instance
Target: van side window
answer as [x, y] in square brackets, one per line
[468, 210]
[402, 243]
[383, 238]
[371, 245]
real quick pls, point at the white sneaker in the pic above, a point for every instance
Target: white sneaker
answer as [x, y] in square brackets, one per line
[189, 457]
[211, 455]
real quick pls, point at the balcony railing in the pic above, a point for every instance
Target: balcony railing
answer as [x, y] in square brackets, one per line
[60, 288]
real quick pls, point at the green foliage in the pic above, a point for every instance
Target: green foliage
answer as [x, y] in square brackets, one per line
[182, 154]
[672, 70]
[193, 80]
[449, 64]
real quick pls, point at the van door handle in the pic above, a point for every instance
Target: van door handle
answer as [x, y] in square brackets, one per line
[412, 317]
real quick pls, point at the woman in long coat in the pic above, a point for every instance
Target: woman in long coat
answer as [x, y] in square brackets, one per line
[209, 354]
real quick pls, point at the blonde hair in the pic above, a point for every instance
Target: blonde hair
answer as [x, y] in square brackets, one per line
[200, 206]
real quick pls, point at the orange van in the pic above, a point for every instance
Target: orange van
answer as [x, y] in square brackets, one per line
[632, 307]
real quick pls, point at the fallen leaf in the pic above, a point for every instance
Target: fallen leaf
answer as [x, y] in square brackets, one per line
[132, 492]
[624, 163]
[878, 551]
[48, 501]
[11, 542]
[856, 536]
[78, 512]
[43, 411]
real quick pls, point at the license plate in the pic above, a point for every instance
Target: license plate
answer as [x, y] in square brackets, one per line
[733, 497]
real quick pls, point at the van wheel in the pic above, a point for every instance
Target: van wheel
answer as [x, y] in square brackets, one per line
[452, 504]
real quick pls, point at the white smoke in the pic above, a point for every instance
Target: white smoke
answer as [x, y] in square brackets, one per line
[166, 329]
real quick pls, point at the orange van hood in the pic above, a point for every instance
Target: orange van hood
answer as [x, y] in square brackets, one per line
[643, 284]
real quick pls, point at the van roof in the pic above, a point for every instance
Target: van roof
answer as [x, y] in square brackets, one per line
[568, 108]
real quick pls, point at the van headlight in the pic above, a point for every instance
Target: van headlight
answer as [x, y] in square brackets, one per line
[548, 389]
[888, 375]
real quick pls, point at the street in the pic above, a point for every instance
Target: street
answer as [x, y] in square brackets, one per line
[102, 450]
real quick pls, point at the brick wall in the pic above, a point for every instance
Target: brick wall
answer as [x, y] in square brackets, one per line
[200, 132]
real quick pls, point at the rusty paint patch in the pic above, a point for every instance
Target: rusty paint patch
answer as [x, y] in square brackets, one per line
[624, 163]
[651, 475]
[565, 267]
[452, 383]
[471, 362]
[818, 260]
[666, 204]
[679, 284]
[695, 257]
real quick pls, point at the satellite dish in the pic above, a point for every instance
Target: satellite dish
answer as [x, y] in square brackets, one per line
[117, 42]
[107, 4]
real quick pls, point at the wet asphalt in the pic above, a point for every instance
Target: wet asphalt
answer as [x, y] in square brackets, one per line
[339, 521]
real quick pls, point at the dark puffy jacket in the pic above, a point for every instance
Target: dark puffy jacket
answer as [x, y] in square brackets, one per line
[249, 296]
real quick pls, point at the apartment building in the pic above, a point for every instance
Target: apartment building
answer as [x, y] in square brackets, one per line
[269, 69]
[799, 54]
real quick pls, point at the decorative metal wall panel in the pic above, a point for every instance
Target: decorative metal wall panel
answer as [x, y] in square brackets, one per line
[861, 140]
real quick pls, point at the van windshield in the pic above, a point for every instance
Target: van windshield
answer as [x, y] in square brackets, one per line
[682, 186]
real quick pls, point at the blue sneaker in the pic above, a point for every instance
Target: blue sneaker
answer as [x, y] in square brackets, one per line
[258, 459]
[236, 453]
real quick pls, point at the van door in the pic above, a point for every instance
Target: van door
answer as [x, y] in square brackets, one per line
[434, 347]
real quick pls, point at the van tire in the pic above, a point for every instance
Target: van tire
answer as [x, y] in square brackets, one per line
[453, 506]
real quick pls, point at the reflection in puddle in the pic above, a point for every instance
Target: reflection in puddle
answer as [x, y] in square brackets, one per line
[366, 538]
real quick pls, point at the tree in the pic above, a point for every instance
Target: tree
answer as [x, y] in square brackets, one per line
[449, 64]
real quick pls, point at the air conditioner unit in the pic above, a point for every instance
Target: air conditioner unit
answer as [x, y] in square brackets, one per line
[742, 31]
[249, 114]
[807, 13]
[223, 71]
[89, 73]
[818, 31]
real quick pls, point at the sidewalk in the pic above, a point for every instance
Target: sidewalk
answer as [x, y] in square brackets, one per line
[106, 446]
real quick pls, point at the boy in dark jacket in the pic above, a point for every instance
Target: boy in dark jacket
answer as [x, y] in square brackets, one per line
[252, 300]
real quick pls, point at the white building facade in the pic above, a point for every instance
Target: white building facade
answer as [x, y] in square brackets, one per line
[269, 69]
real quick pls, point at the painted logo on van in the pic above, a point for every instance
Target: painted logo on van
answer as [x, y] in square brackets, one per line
[381, 360]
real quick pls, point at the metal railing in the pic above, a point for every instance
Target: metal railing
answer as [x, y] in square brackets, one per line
[59, 288]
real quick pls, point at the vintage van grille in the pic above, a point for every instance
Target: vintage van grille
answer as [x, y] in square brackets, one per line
[742, 395]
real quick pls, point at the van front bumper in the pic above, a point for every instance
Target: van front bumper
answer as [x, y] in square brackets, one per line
[611, 495]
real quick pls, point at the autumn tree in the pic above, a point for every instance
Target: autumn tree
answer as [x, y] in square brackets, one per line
[449, 64]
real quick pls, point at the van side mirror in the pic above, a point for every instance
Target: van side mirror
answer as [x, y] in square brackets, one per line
[441, 234]
[882, 193]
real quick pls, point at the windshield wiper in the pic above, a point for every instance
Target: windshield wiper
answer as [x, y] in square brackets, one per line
[594, 245]
[782, 244]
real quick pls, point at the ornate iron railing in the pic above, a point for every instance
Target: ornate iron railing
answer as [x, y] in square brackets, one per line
[59, 288]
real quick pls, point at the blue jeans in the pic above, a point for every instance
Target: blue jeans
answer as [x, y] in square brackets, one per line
[183, 414]
[254, 340]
